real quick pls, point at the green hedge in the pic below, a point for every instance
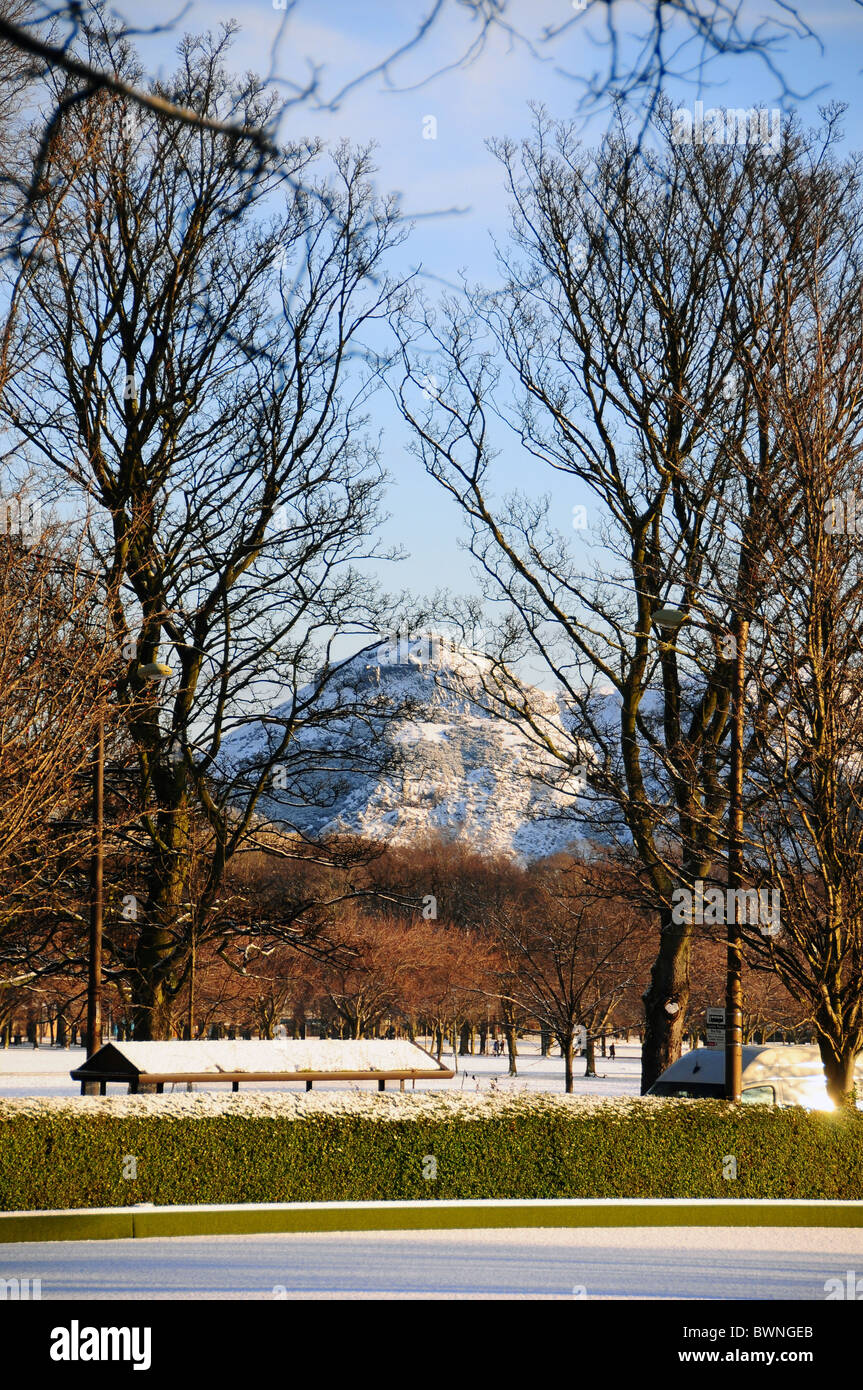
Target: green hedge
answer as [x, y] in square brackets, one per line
[659, 1149]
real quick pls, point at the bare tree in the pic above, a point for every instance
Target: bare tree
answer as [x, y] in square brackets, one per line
[188, 371]
[805, 694]
[572, 951]
[55, 667]
[608, 351]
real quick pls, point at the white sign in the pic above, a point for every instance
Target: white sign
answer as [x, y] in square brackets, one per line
[714, 1018]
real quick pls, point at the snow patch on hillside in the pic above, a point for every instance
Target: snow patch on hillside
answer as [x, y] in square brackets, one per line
[416, 749]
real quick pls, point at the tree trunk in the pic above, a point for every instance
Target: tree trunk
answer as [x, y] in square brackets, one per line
[151, 1012]
[464, 1040]
[590, 1055]
[669, 984]
[157, 949]
[567, 1048]
[839, 1072]
[509, 1034]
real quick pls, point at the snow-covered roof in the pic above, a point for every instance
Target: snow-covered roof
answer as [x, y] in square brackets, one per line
[706, 1065]
[282, 1056]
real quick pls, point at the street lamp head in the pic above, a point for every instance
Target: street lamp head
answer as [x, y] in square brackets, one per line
[669, 619]
[154, 671]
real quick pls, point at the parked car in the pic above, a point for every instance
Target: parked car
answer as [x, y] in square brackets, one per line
[773, 1074]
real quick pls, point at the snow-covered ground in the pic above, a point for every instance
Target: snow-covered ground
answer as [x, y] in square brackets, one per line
[688, 1262]
[44, 1071]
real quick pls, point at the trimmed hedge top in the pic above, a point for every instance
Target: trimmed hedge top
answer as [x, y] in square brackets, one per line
[297, 1105]
[276, 1147]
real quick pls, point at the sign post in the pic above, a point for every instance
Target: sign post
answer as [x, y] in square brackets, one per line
[714, 1020]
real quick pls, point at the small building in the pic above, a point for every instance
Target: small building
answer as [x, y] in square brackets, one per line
[149, 1065]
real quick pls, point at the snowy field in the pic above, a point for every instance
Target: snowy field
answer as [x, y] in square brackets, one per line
[520, 1264]
[44, 1071]
[625, 1263]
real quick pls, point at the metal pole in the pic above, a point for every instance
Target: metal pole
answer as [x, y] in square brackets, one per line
[192, 990]
[94, 975]
[733, 983]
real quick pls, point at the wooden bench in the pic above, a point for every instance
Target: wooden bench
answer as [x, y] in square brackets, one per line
[150, 1066]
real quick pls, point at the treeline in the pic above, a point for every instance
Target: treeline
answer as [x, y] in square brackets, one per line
[430, 942]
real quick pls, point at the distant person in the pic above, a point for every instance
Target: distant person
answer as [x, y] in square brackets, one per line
[611, 1051]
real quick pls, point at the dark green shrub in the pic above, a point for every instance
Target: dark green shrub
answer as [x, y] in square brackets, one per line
[521, 1148]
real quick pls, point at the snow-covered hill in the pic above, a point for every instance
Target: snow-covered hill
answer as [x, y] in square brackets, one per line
[409, 747]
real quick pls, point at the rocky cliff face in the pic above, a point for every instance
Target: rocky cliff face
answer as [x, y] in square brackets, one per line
[410, 746]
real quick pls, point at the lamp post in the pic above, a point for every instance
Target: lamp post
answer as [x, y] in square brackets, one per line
[97, 862]
[670, 620]
[151, 671]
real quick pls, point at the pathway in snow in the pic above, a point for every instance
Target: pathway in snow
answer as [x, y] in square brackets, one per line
[635, 1262]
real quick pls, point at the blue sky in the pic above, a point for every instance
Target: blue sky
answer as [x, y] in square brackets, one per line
[489, 98]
